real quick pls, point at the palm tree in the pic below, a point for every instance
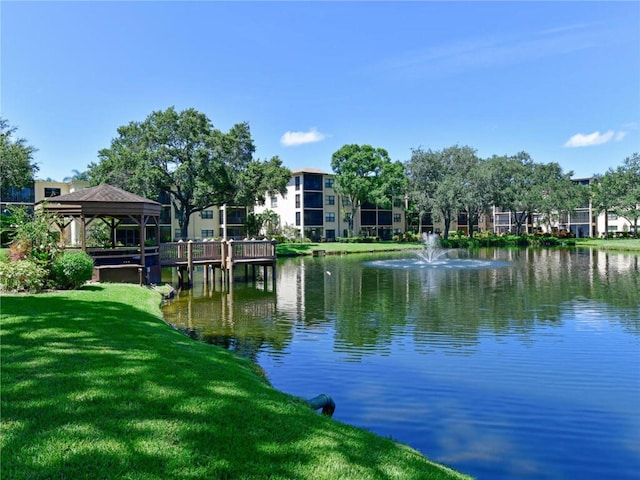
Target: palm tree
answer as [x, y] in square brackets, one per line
[77, 176]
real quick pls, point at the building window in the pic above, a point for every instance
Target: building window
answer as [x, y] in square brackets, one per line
[312, 182]
[298, 218]
[397, 218]
[236, 215]
[177, 234]
[297, 183]
[206, 214]
[331, 199]
[165, 233]
[367, 218]
[51, 192]
[313, 218]
[164, 198]
[397, 203]
[274, 202]
[346, 202]
[297, 200]
[612, 216]
[206, 233]
[312, 199]
[165, 215]
[328, 182]
[20, 195]
[384, 218]
[330, 217]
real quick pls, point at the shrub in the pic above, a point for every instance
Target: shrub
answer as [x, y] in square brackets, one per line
[22, 276]
[72, 269]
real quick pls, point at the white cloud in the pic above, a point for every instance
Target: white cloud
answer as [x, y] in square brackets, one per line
[590, 139]
[290, 139]
[620, 136]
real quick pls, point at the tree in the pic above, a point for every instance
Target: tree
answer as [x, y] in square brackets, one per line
[553, 192]
[512, 179]
[626, 185]
[366, 174]
[267, 221]
[182, 154]
[77, 176]
[441, 182]
[472, 176]
[603, 197]
[524, 188]
[17, 168]
[259, 179]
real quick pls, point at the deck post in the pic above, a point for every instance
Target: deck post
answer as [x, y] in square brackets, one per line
[229, 266]
[273, 265]
[190, 262]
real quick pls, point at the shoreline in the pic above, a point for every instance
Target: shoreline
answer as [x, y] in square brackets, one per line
[97, 373]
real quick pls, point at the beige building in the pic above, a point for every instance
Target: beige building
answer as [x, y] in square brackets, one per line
[41, 190]
[313, 208]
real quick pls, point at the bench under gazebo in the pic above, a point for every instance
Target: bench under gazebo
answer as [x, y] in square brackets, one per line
[136, 263]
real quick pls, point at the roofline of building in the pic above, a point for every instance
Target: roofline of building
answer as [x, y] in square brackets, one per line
[310, 170]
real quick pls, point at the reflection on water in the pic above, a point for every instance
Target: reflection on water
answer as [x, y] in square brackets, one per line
[530, 370]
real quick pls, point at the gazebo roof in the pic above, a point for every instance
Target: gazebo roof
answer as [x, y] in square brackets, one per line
[103, 200]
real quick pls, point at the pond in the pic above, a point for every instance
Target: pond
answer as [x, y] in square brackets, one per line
[511, 364]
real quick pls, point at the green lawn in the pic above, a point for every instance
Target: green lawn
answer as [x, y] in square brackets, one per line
[284, 249]
[96, 385]
[631, 244]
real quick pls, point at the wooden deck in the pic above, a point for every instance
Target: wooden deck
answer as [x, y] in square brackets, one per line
[222, 255]
[128, 265]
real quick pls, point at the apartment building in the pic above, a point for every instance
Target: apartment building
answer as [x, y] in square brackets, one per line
[583, 221]
[38, 191]
[313, 207]
[226, 222]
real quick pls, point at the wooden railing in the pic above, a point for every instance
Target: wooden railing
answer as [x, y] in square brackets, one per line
[250, 250]
[225, 252]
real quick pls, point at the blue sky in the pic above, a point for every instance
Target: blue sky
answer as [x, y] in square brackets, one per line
[559, 80]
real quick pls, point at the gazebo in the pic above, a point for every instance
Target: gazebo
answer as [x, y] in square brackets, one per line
[113, 206]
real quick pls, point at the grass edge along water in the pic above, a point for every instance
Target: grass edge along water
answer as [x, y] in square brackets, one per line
[96, 385]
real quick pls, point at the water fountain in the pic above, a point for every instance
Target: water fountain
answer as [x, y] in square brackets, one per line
[431, 249]
[432, 256]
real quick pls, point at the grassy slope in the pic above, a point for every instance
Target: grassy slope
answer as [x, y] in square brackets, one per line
[630, 244]
[96, 385]
[284, 249]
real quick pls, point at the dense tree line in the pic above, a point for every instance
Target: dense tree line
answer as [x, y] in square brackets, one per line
[455, 180]
[198, 166]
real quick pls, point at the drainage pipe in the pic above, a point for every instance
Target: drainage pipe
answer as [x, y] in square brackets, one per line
[324, 402]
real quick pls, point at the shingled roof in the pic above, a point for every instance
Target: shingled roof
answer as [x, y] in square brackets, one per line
[104, 200]
[101, 193]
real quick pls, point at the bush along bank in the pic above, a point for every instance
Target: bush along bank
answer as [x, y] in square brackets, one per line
[36, 261]
[507, 241]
